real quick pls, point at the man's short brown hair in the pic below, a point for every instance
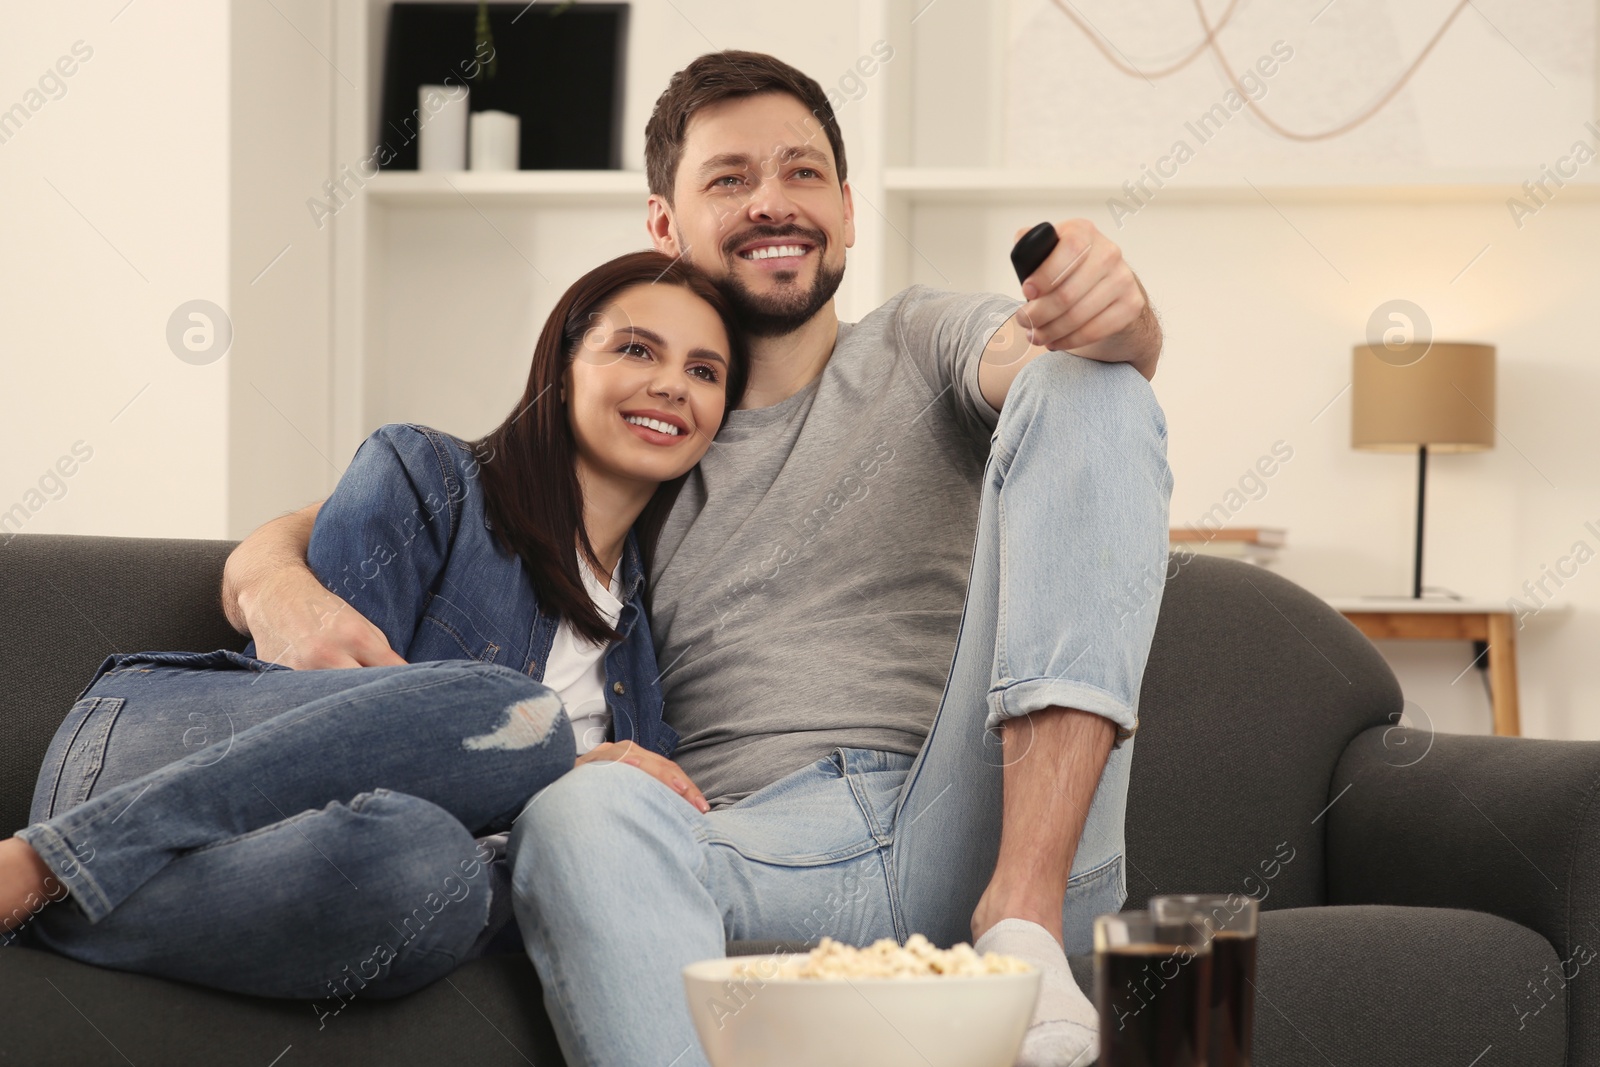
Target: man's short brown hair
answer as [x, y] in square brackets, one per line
[718, 76]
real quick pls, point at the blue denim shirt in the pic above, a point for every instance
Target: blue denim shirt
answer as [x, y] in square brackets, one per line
[405, 538]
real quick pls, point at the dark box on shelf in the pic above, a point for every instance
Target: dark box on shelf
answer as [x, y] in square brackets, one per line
[558, 68]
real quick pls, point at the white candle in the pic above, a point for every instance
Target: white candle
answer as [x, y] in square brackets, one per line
[496, 138]
[442, 127]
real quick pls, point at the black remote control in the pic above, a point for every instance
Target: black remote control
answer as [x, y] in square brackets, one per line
[1032, 249]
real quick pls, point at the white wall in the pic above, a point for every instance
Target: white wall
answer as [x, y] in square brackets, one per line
[189, 140]
[116, 212]
[280, 129]
[465, 296]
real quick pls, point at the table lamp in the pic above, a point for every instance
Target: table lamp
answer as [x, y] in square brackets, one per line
[1442, 401]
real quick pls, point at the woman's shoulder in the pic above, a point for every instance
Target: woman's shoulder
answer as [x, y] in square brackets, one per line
[413, 437]
[424, 450]
[417, 470]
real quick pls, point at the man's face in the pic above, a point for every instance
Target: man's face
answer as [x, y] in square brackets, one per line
[757, 204]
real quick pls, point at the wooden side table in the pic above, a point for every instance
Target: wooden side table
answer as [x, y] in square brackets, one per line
[1402, 619]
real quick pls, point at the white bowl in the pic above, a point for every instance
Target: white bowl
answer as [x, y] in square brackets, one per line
[866, 1022]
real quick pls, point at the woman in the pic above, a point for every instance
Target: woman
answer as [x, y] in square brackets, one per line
[219, 819]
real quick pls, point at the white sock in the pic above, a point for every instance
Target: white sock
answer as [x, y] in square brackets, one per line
[1066, 1029]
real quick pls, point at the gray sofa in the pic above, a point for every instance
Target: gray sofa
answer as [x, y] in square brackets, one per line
[1427, 899]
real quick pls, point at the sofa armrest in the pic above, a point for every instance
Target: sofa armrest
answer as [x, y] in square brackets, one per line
[1503, 825]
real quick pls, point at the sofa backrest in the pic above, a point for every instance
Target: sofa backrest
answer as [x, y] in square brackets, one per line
[1253, 689]
[66, 603]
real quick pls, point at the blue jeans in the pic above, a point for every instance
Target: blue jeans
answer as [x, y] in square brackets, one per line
[618, 883]
[219, 820]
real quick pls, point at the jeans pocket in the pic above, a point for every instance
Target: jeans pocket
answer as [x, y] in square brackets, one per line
[877, 778]
[75, 757]
[808, 818]
[449, 622]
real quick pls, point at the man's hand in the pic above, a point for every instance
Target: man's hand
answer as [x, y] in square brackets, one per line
[269, 593]
[659, 767]
[1082, 299]
[297, 622]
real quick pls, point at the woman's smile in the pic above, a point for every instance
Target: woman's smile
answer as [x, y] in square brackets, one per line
[656, 427]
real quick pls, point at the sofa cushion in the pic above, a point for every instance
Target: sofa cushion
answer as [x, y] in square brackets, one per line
[1410, 986]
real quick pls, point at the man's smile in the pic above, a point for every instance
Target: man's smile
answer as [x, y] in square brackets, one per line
[777, 253]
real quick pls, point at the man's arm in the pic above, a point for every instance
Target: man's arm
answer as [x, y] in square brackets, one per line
[269, 593]
[1083, 299]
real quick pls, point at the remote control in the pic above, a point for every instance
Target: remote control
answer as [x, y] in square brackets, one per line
[1032, 249]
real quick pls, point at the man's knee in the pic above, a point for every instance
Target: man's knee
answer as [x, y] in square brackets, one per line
[1059, 381]
[1060, 399]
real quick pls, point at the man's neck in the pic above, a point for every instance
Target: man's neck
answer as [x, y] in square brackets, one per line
[782, 366]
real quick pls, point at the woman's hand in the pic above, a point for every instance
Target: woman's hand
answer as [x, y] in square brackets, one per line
[667, 772]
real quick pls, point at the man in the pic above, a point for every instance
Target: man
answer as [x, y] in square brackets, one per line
[808, 596]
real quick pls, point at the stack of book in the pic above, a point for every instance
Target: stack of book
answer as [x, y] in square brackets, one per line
[1253, 544]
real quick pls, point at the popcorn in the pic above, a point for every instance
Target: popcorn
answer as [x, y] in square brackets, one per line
[887, 959]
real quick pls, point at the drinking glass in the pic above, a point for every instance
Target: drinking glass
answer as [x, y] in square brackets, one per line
[1152, 989]
[1230, 919]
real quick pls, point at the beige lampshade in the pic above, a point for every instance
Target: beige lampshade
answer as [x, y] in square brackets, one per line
[1444, 400]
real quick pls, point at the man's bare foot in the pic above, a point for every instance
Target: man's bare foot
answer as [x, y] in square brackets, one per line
[26, 884]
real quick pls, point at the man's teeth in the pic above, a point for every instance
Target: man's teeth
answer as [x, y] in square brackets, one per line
[773, 251]
[653, 424]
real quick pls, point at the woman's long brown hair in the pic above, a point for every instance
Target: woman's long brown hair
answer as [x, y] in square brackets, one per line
[528, 463]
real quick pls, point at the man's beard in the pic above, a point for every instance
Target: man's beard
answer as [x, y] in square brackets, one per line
[776, 314]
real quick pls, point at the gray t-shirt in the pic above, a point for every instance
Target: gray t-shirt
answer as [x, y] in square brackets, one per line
[808, 584]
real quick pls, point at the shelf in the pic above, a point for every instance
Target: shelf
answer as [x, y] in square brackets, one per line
[532, 188]
[1002, 185]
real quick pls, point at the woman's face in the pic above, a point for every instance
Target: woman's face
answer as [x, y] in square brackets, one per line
[646, 389]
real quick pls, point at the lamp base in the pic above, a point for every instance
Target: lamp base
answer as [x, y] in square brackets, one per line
[1422, 489]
